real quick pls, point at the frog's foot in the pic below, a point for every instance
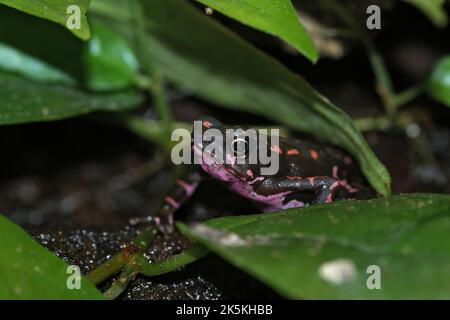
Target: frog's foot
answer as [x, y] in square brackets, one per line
[327, 187]
[343, 183]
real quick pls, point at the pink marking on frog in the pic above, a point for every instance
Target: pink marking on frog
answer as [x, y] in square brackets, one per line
[334, 185]
[293, 152]
[334, 172]
[276, 149]
[343, 182]
[231, 159]
[234, 183]
[256, 180]
[172, 202]
[207, 124]
[272, 202]
[210, 166]
[330, 195]
[346, 185]
[188, 188]
[293, 204]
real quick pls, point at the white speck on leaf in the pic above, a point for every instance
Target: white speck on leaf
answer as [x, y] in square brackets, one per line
[222, 237]
[45, 112]
[338, 271]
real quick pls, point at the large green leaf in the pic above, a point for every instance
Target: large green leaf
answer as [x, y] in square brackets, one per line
[433, 9]
[277, 17]
[324, 251]
[439, 82]
[16, 61]
[56, 11]
[29, 271]
[207, 59]
[110, 62]
[38, 41]
[23, 101]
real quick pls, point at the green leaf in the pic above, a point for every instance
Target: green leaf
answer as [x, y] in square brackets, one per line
[439, 82]
[23, 101]
[433, 9]
[59, 11]
[13, 60]
[205, 58]
[324, 251]
[276, 17]
[110, 63]
[115, 9]
[36, 38]
[29, 271]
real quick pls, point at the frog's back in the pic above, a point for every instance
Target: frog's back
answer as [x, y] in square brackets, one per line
[305, 158]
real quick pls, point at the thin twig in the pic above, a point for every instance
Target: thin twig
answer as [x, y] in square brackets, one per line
[380, 123]
[120, 284]
[406, 96]
[115, 264]
[188, 256]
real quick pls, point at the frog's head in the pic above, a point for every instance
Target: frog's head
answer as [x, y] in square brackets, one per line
[224, 151]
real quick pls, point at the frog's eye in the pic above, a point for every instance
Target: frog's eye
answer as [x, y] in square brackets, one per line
[240, 147]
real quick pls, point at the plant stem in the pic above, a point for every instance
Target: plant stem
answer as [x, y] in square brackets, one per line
[341, 12]
[151, 130]
[186, 257]
[391, 100]
[108, 9]
[158, 91]
[380, 123]
[156, 83]
[408, 95]
[121, 283]
[139, 264]
[384, 84]
[112, 266]
[383, 80]
[107, 269]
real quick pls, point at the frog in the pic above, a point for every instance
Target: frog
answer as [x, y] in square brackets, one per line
[308, 173]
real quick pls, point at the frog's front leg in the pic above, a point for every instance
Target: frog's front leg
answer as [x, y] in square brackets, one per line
[324, 185]
[179, 194]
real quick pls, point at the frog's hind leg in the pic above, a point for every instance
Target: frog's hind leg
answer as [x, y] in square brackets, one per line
[182, 191]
